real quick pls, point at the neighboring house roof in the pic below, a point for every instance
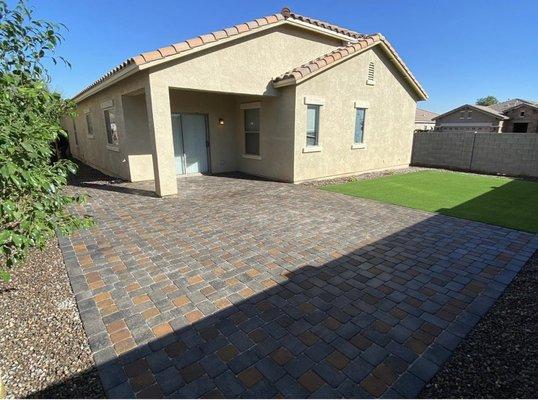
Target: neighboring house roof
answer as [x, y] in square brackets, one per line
[525, 104]
[358, 42]
[424, 115]
[505, 105]
[489, 110]
[483, 109]
[340, 54]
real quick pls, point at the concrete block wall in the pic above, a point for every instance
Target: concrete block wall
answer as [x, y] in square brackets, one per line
[513, 154]
[442, 149]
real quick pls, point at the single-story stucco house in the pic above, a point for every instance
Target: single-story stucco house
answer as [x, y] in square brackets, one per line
[284, 97]
[470, 117]
[511, 116]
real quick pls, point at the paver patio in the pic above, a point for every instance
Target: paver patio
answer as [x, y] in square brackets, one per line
[244, 288]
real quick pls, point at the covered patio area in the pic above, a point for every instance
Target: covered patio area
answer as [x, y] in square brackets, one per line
[199, 132]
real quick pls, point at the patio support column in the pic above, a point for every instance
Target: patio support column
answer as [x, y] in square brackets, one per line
[160, 130]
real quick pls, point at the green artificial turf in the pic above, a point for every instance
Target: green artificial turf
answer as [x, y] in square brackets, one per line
[512, 203]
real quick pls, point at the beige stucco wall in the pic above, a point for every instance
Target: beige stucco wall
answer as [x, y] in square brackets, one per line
[137, 143]
[389, 121]
[277, 119]
[245, 65]
[227, 141]
[93, 150]
[217, 81]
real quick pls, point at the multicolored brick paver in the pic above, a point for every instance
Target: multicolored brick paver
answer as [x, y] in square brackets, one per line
[243, 288]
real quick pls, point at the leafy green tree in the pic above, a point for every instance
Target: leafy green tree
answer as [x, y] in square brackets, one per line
[33, 205]
[487, 101]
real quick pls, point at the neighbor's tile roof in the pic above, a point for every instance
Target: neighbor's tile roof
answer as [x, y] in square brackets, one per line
[505, 105]
[424, 115]
[201, 40]
[343, 52]
[485, 109]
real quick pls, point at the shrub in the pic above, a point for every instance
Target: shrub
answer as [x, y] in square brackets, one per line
[33, 205]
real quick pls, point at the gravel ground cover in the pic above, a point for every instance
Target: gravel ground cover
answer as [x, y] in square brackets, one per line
[499, 358]
[42, 340]
[364, 176]
[388, 172]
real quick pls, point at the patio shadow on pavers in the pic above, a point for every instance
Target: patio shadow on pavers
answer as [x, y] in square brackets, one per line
[90, 178]
[378, 320]
[118, 187]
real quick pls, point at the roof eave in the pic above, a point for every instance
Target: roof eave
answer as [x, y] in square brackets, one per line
[404, 70]
[210, 45]
[393, 57]
[114, 77]
[314, 28]
[285, 82]
[492, 113]
[296, 81]
[108, 81]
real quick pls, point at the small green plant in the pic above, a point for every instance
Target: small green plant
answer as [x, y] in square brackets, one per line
[33, 205]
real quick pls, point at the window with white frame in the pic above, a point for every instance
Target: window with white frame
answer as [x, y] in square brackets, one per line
[469, 113]
[89, 125]
[252, 131]
[462, 114]
[360, 114]
[312, 125]
[111, 127]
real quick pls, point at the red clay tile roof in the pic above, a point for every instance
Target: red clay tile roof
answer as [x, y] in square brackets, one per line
[299, 73]
[189, 44]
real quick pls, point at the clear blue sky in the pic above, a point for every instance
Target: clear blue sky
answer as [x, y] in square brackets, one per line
[458, 50]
